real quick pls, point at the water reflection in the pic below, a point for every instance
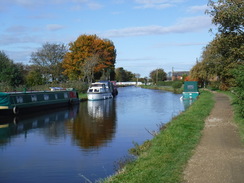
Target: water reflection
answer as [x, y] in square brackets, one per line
[87, 131]
[188, 103]
[11, 126]
[97, 128]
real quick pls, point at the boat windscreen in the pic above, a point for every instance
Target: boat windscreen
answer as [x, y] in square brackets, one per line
[97, 85]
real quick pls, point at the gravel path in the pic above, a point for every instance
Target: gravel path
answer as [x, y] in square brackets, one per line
[219, 157]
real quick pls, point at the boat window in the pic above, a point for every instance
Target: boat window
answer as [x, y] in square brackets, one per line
[90, 90]
[33, 98]
[190, 87]
[46, 97]
[96, 90]
[34, 124]
[97, 85]
[65, 95]
[19, 99]
[47, 120]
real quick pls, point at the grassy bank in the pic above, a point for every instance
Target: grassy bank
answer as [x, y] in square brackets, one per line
[167, 153]
[239, 120]
[83, 96]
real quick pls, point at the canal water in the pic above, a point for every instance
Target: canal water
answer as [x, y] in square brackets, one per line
[84, 143]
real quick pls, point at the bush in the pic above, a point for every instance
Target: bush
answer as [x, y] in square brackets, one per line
[177, 85]
[239, 88]
[165, 83]
[214, 85]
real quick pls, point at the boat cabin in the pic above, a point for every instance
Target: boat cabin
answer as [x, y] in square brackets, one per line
[190, 90]
[97, 87]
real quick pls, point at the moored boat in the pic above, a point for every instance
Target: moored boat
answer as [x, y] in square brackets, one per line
[99, 91]
[21, 102]
[190, 90]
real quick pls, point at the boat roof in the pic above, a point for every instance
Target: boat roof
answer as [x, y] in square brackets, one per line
[97, 84]
[31, 92]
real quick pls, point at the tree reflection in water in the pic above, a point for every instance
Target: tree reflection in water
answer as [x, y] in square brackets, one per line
[95, 124]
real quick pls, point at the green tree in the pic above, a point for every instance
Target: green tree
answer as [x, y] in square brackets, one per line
[48, 59]
[228, 15]
[123, 75]
[208, 66]
[176, 85]
[226, 50]
[199, 73]
[158, 75]
[84, 50]
[34, 76]
[239, 87]
[10, 73]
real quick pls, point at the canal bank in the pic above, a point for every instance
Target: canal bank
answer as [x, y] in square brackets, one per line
[220, 153]
[164, 157]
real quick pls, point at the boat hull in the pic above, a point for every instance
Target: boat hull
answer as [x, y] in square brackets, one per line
[190, 95]
[99, 96]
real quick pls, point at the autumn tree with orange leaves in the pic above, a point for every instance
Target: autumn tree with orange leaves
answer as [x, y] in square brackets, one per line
[89, 57]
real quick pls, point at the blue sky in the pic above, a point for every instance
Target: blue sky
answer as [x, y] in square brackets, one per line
[147, 34]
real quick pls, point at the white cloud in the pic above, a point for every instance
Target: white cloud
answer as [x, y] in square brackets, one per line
[118, 1]
[21, 56]
[196, 9]
[92, 4]
[161, 45]
[27, 3]
[54, 27]
[190, 24]
[17, 29]
[156, 4]
[9, 39]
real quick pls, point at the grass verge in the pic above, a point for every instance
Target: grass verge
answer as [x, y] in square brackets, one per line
[239, 120]
[83, 96]
[169, 151]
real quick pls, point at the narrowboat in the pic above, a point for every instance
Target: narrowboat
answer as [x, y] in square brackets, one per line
[21, 102]
[190, 90]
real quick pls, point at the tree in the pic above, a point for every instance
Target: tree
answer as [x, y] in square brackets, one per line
[158, 75]
[34, 76]
[123, 75]
[84, 50]
[88, 68]
[48, 59]
[207, 67]
[10, 73]
[227, 15]
[225, 52]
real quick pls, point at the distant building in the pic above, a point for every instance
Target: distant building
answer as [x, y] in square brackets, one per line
[177, 75]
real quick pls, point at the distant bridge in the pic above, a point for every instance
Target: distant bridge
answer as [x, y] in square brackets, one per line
[128, 83]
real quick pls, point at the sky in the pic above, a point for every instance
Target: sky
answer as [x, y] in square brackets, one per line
[147, 34]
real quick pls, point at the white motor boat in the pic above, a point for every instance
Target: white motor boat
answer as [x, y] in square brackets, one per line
[99, 91]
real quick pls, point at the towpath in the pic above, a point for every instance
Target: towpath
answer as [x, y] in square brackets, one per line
[219, 157]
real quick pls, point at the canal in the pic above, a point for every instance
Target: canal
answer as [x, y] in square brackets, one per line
[83, 143]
